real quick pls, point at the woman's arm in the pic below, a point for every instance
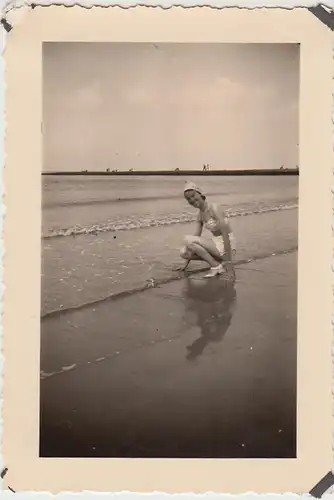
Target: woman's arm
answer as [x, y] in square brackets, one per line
[225, 230]
[199, 228]
[198, 232]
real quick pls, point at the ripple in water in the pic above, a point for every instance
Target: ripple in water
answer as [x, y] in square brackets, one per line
[149, 221]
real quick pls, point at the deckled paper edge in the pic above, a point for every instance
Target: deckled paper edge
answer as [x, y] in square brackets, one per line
[17, 9]
[10, 5]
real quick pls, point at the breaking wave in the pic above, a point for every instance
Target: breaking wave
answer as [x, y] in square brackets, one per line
[146, 221]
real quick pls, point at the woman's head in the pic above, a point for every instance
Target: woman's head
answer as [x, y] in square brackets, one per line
[194, 195]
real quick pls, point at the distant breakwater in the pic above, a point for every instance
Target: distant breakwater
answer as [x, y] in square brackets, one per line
[181, 173]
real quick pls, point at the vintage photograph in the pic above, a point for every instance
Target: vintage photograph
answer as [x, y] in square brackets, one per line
[170, 186]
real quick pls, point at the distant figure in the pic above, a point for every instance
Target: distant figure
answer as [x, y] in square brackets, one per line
[204, 168]
[108, 170]
[216, 250]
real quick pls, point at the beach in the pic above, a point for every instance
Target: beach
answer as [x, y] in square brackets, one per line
[104, 237]
[138, 360]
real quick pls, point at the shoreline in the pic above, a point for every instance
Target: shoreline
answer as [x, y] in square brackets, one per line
[83, 269]
[155, 283]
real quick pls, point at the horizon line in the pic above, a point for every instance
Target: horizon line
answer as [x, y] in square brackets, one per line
[279, 171]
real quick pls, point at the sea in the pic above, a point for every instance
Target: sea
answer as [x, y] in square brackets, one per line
[103, 236]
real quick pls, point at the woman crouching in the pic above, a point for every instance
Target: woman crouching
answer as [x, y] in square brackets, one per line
[217, 251]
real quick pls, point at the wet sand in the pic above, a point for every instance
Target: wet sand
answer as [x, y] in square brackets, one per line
[190, 369]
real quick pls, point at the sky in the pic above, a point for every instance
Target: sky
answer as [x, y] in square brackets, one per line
[146, 106]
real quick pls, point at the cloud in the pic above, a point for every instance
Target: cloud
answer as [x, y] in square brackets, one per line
[176, 105]
[89, 95]
[140, 94]
[205, 93]
[223, 88]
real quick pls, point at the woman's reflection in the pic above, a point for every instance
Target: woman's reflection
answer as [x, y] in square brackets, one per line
[213, 301]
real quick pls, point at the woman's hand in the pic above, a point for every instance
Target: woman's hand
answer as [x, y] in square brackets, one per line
[182, 268]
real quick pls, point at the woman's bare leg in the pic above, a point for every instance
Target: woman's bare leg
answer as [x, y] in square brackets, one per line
[203, 254]
[188, 256]
[205, 249]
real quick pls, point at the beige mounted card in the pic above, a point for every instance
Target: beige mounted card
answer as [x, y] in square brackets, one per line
[130, 388]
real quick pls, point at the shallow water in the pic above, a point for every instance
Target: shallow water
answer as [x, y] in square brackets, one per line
[105, 246]
[75, 205]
